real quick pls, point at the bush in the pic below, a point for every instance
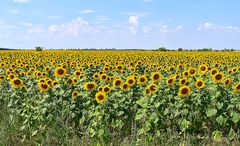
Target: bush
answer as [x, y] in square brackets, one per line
[38, 48]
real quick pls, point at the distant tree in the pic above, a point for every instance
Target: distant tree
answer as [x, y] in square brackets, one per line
[180, 49]
[162, 49]
[39, 48]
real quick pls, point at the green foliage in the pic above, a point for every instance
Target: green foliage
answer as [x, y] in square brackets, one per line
[39, 48]
[162, 49]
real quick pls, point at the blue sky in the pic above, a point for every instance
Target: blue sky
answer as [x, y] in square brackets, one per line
[146, 24]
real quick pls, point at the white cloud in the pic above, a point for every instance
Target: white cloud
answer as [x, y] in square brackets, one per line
[37, 29]
[133, 20]
[138, 14]
[27, 24]
[207, 26]
[147, 1]
[54, 17]
[21, 1]
[13, 11]
[103, 18]
[74, 28]
[146, 29]
[133, 30]
[87, 11]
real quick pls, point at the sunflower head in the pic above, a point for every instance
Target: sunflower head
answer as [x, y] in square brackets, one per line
[183, 81]
[170, 81]
[125, 87]
[218, 77]
[77, 73]
[75, 95]
[152, 88]
[192, 72]
[60, 72]
[156, 76]
[103, 77]
[106, 89]
[55, 83]
[142, 80]
[228, 82]
[17, 83]
[101, 97]
[146, 91]
[90, 86]
[43, 87]
[213, 71]
[237, 88]
[131, 80]
[199, 84]
[117, 83]
[184, 91]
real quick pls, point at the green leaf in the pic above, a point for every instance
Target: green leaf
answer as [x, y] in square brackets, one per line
[219, 105]
[142, 102]
[157, 104]
[141, 131]
[34, 133]
[235, 117]
[217, 135]
[184, 124]
[100, 132]
[231, 134]
[221, 120]
[211, 112]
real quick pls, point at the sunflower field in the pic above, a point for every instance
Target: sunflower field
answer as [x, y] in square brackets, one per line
[133, 96]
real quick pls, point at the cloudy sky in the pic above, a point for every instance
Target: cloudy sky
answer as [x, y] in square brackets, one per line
[146, 24]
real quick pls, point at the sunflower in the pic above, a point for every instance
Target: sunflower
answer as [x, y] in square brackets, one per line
[192, 72]
[185, 73]
[199, 84]
[183, 81]
[11, 76]
[54, 83]
[77, 73]
[228, 82]
[152, 87]
[106, 89]
[60, 72]
[170, 81]
[75, 95]
[101, 97]
[2, 78]
[117, 83]
[213, 71]
[47, 69]
[100, 89]
[184, 91]
[103, 77]
[43, 87]
[218, 77]
[131, 81]
[132, 69]
[119, 67]
[203, 68]
[17, 83]
[70, 81]
[89, 86]
[237, 88]
[49, 81]
[146, 91]
[156, 76]
[142, 80]
[125, 87]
